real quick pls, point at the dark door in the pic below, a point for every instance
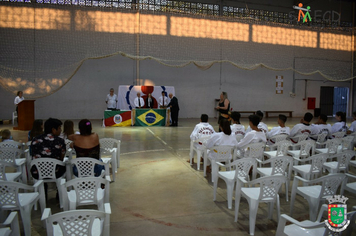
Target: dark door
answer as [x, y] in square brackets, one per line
[340, 99]
[326, 100]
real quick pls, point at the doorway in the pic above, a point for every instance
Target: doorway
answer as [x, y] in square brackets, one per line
[333, 99]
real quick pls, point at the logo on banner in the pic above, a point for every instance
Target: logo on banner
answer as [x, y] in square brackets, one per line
[301, 14]
[337, 214]
[150, 117]
[117, 119]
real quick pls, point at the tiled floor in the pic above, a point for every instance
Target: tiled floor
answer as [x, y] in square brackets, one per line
[157, 192]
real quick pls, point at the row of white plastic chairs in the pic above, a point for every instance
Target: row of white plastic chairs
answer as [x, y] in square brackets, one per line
[84, 190]
[19, 156]
[302, 149]
[278, 174]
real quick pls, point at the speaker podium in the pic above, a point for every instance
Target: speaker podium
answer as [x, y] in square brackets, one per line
[25, 115]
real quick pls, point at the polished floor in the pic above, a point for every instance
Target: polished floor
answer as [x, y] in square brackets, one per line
[157, 192]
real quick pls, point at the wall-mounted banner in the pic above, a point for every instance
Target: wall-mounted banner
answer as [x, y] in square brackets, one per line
[279, 84]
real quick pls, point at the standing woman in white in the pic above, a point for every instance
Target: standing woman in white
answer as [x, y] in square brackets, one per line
[19, 98]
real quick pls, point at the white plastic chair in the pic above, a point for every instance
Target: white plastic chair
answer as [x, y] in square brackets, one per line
[266, 192]
[312, 170]
[301, 228]
[346, 143]
[299, 138]
[28, 158]
[348, 186]
[338, 135]
[78, 222]
[10, 227]
[13, 198]
[107, 148]
[14, 117]
[315, 191]
[278, 167]
[12, 144]
[321, 140]
[307, 148]
[85, 167]
[331, 148]
[282, 149]
[253, 150]
[46, 169]
[222, 153]
[111, 144]
[198, 147]
[13, 176]
[11, 156]
[240, 169]
[341, 164]
[85, 191]
[275, 140]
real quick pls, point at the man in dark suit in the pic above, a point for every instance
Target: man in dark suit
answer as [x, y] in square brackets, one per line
[173, 104]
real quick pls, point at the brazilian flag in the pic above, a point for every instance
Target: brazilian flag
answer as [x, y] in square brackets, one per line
[150, 117]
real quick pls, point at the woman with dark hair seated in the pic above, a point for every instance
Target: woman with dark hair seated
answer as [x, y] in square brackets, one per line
[86, 144]
[340, 125]
[37, 129]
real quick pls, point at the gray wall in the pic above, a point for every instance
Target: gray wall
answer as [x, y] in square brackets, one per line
[84, 95]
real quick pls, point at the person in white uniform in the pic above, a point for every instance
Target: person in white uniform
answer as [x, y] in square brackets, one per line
[139, 102]
[281, 129]
[262, 126]
[255, 135]
[203, 129]
[340, 125]
[111, 100]
[237, 127]
[18, 99]
[222, 138]
[163, 100]
[321, 127]
[352, 128]
[303, 127]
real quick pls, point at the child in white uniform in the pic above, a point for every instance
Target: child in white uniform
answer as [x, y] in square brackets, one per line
[200, 130]
[236, 127]
[281, 129]
[262, 126]
[303, 127]
[340, 125]
[321, 127]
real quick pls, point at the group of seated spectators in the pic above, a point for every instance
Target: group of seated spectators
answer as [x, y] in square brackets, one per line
[48, 141]
[257, 131]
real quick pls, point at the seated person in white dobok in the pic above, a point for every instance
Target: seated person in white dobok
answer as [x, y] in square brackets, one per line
[255, 135]
[163, 100]
[203, 129]
[139, 102]
[281, 129]
[340, 125]
[352, 128]
[262, 126]
[320, 127]
[301, 128]
[221, 138]
[236, 127]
